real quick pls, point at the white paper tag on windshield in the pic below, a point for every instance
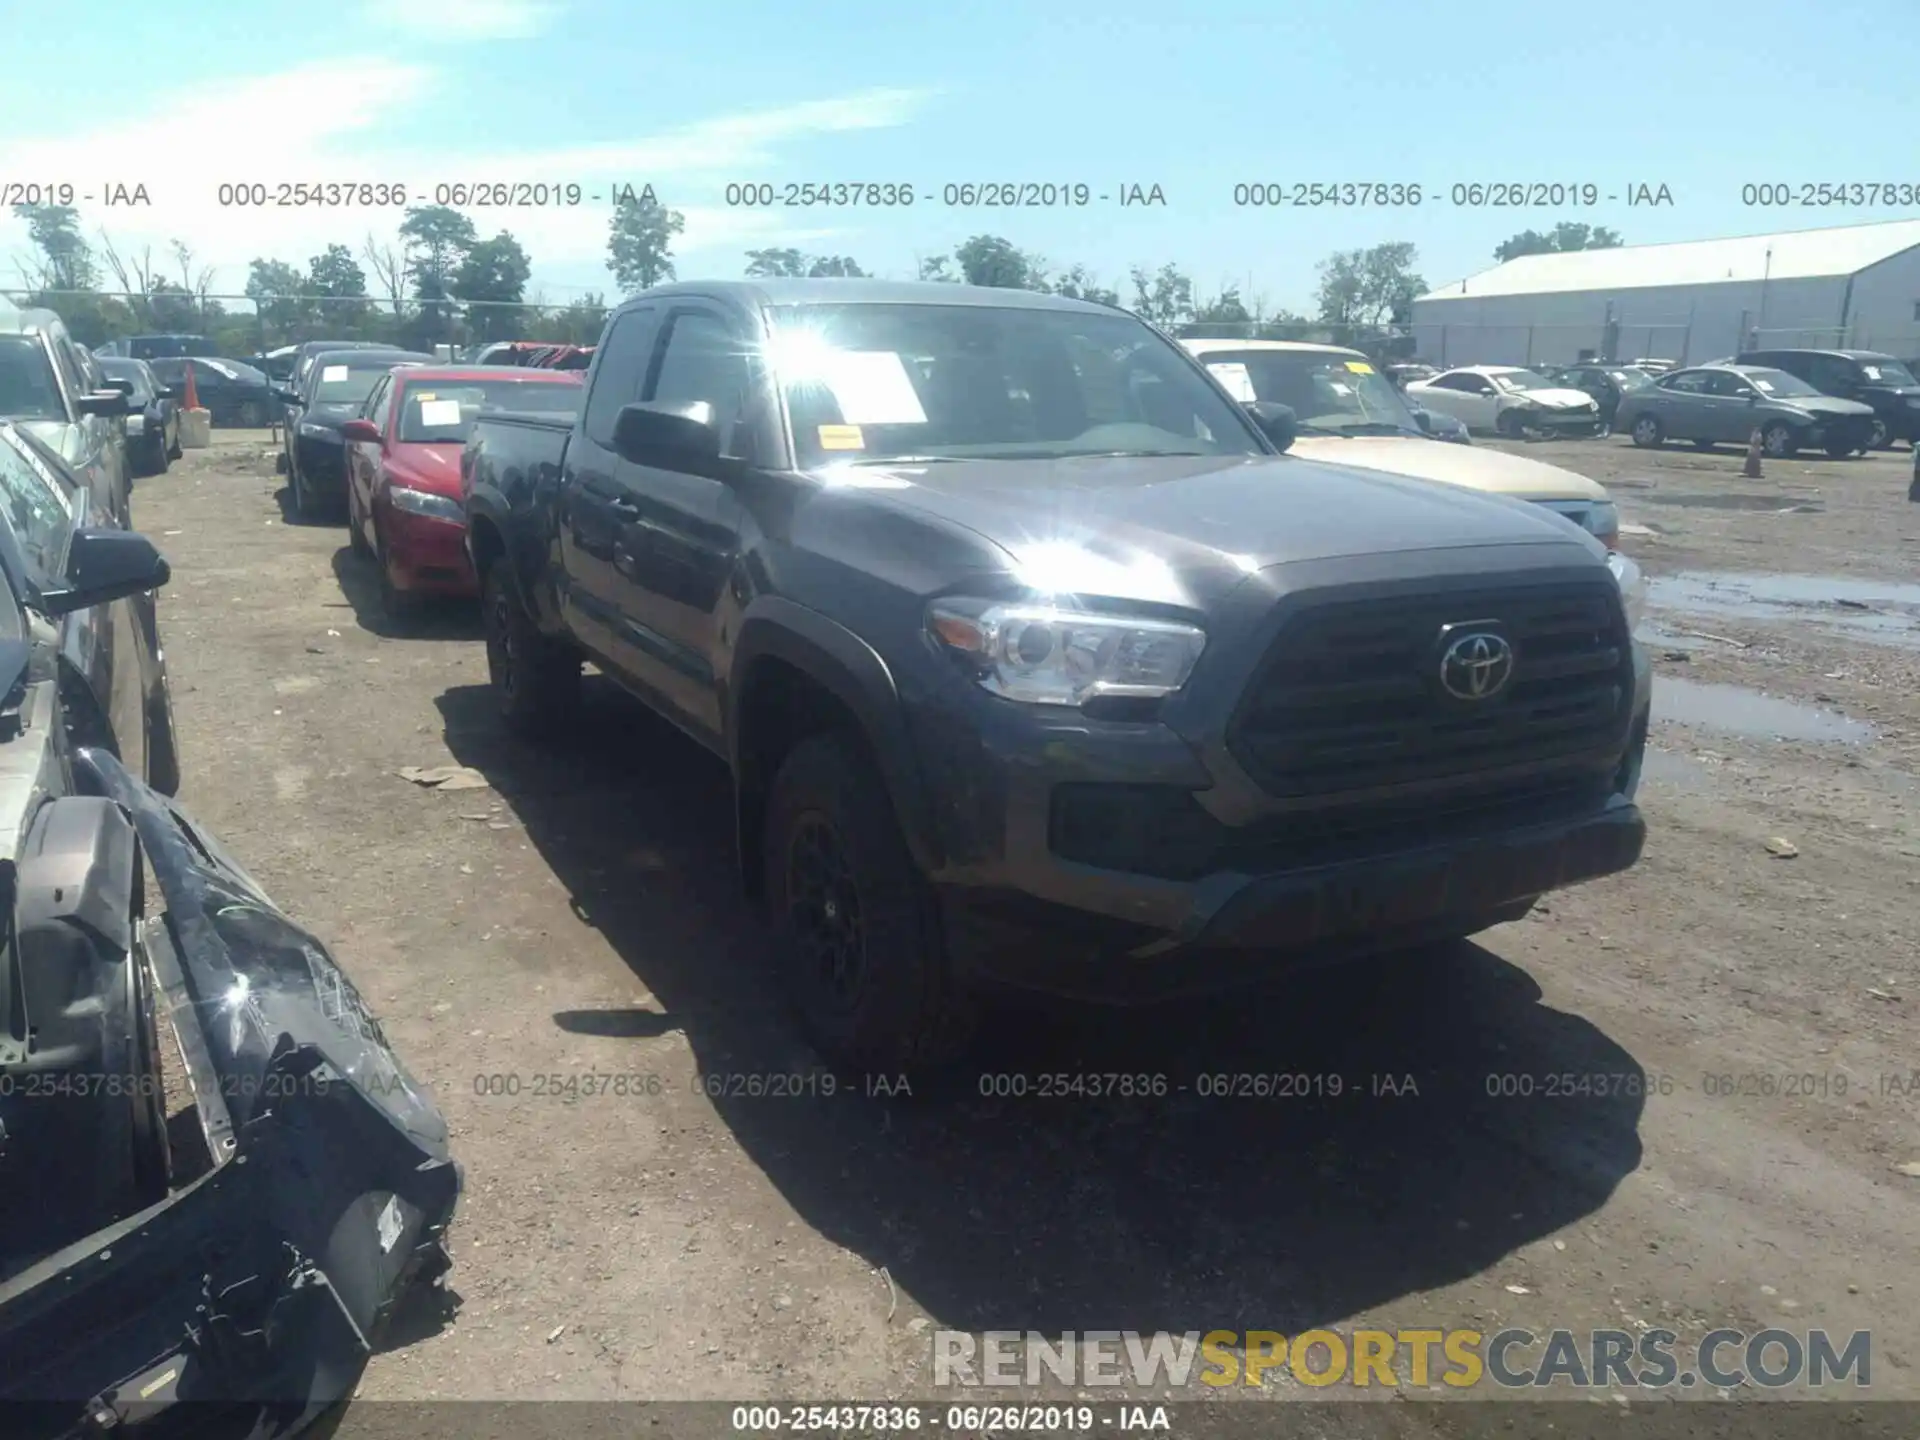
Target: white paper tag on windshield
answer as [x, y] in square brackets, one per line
[434, 414]
[332, 374]
[1233, 375]
[872, 388]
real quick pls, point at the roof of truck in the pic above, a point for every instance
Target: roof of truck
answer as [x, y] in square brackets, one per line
[872, 292]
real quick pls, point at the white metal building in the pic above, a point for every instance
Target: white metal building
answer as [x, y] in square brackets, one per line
[1854, 287]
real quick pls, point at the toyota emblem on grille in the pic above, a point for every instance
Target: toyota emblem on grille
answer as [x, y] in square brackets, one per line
[1476, 666]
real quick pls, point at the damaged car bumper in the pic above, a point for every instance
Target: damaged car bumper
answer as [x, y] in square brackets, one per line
[248, 1300]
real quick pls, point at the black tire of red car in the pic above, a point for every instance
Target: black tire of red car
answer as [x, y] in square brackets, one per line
[1648, 433]
[862, 955]
[356, 531]
[1780, 440]
[396, 604]
[536, 680]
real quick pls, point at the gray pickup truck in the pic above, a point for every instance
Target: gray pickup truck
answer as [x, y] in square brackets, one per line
[1038, 663]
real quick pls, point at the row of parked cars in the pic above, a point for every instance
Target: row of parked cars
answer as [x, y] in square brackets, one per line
[244, 1254]
[1844, 402]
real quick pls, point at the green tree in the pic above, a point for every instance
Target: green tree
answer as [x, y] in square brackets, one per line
[1226, 308]
[938, 267]
[1164, 296]
[437, 238]
[835, 267]
[335, 274]
[1567, 235]
[640, 241]
[173, 307]
[275, 287]
[577, 323]
[774, 263]
[1368, 288]
[995, 261]
[67, 261]
[1079, 284]
[494, 273]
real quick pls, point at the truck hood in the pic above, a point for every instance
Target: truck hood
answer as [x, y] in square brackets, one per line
[1477, 469]
[1178, 529]
[56, 435]
[263, 1285]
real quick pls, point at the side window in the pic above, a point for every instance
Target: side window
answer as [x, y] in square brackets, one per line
[73, 376]
[704, 360]
[1725, 382]
[1446, 382]
[622, 370]
[1831, 375]
[1476, 384]
[39, 514]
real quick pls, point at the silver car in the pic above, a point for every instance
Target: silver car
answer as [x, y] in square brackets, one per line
[1724, 404]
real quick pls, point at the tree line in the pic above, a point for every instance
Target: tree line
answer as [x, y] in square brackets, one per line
[439, 281]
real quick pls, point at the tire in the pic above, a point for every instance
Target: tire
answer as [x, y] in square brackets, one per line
[1779, 441]
[252, 416]
[536, 680]
[1882, 437]
[356, 530]
[173, 449]
[862, 958]
[1648, 433]
[396, 604]
[159, 462]
[1839, 449]
[1508, 426]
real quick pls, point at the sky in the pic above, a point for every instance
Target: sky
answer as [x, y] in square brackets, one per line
[1701, 99]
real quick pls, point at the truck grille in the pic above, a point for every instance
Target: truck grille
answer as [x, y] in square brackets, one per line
[1349, 696]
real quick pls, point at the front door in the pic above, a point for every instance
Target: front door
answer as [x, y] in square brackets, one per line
[680, 531]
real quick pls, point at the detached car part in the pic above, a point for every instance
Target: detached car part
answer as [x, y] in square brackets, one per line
[246, 1301]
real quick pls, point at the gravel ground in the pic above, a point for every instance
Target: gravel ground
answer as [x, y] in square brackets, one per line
[676, 1236]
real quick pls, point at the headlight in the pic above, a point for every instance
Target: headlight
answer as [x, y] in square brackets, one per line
[1048, 656]
[1633, 588]
[419, 502]
[1603, 523]
[318, 432]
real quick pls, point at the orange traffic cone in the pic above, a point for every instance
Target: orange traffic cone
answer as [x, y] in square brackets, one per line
[1752, 468]
[196, 424]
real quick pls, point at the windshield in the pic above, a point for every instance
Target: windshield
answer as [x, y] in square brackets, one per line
[347, 384]
[1886, 372]
[1330, 393]
[1778, 382]
[442, 412]
[1522, 380]
[1630, 379]
[128, 370]
[879, 382]
[28, 390]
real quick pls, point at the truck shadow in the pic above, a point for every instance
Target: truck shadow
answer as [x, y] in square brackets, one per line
[1184, 1210]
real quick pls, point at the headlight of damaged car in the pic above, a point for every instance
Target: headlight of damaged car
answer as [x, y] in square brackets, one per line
[420, 502]
[1046, 655]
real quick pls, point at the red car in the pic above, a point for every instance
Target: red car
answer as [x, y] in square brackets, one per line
[403, 468]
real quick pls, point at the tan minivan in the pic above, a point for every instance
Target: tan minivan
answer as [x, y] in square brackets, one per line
[1350, 414]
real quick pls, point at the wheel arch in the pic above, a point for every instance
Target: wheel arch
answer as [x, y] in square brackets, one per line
[795, 674]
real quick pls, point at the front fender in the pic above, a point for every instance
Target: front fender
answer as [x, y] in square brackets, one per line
[852, 671]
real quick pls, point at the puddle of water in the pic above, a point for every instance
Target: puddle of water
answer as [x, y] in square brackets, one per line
[1736, 710]
[1679, 772]
[1736, 501]
[1883, 610]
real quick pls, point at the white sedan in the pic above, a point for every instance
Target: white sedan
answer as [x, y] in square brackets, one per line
[1507, 400]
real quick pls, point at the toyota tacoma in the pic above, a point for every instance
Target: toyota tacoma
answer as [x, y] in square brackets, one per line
[1037, 662]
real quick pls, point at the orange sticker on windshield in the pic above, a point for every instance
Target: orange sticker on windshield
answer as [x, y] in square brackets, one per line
[842, 437]
[1359, 367]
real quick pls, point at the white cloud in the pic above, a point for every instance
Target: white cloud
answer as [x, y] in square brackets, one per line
[338, 121]
[453, 20]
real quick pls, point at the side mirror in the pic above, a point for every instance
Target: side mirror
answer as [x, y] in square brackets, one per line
[363, 431]
[1277, 422]
[102, 402]
[105, 565]
[1424, 421]
[125, 387]
[286, 394]
[673, 437]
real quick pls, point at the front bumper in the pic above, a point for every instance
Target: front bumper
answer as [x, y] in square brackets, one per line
[425, 554]
[1573, 423]
[323, 463]
[1021, 914]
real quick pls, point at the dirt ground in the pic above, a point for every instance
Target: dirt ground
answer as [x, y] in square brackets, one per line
[678, 1235]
